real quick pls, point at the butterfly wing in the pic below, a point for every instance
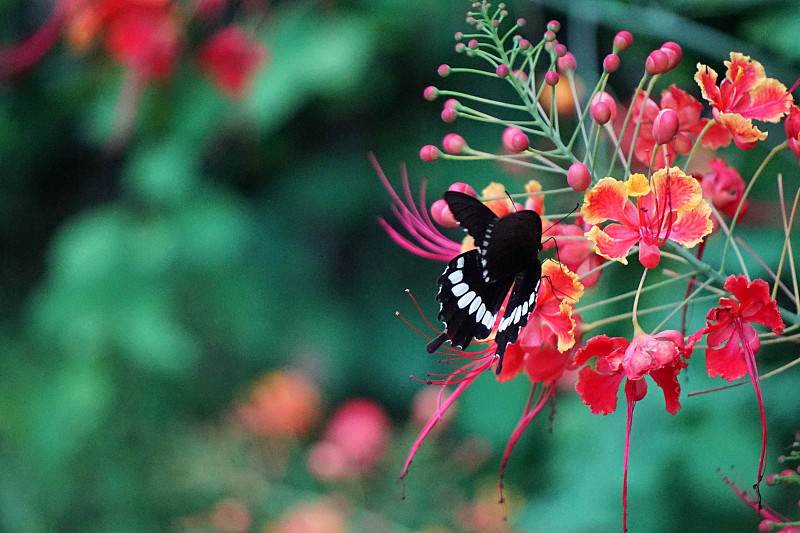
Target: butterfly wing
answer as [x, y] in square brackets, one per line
[521, 304]
[470, 213]
[469, 304]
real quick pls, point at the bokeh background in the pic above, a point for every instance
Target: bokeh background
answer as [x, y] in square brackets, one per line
[193, 285]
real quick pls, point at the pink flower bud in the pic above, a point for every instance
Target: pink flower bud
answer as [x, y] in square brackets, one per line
[579, 177]
[454, 143]
[551, 77]
[429, 153]
[559, 50]
[656, 63]
[771, 479]
[608, 100]
[601, 113]
[665, 126]
[524, 44]
[521, 75]
[430, 93]
[549, 36]
[443, 70]
[515, 140]
[452, 103]
[521, 22]
[502, 71]
[442, 215]
[466, 188]
[567, 62]
[765, 526]
[472, 44]
[554, 25]
[495, 23]
[460, 47]
[622, 41]
[787, 472]
[676, 48]
[611, 63]
[674, 54]
[449, 114]
[459, 35]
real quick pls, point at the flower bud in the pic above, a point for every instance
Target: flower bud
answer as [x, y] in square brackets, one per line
[443, 70]
[579, 177]
[567, 62]
[472, 44]
[554, 25]
[449, 114]
[429, 153]
[441, 214]
[466, 188]
[460, 47]
[622, 41]
[551, 77]
[459, 35]
[601, 112]
[549, 36]
[674, 54]
[608, 100]
[454, 143]
[451, 103]
[521, 22]
[665, 126]
[430, 93]
[521, 76]
[502, 71]
[559, 50]
[611, 63]
[771, 479]
[515, 140]
[656, 63]
[524, 44]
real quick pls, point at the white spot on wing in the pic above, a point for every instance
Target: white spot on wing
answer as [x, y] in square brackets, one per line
[460, 262]
[474, 305]
[460, 289]
[456, 276]
[466, 299]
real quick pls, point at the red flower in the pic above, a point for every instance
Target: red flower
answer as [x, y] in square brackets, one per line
[669, 206]
[231, 58]
[616, 359]
[658, 356]
[792, 125]
[731, 339]
[745, 94]
[724, 187]
[733, 342]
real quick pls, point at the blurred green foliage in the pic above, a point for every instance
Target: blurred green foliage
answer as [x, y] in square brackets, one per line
[144, 289]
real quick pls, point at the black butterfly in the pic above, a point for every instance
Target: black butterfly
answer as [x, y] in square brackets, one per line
[474, 284]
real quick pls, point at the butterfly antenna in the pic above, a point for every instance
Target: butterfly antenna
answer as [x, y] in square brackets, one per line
[560, 220]
[513, 205]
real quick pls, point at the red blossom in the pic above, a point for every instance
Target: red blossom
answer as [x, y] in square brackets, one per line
[724, 187]
[575, 251]
[733, 342]
[729, 329]
[231, 58]
[746, 94]
[610, 361]
[669, 206]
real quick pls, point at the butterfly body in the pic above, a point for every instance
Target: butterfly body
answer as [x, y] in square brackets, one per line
[474, 285]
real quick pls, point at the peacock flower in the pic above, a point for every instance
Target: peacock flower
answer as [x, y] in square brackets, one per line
[746, 94]
[669, 206]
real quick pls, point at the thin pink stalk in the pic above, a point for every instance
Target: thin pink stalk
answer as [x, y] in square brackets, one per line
[546, 392]
[752, 370]
[432, 421]
[631, 405]
[765, 511]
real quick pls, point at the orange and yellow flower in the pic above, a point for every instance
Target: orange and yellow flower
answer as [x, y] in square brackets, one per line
[745, 94]
[668, 206]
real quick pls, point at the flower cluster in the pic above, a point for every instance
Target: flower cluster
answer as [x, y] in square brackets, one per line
[645, 196]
